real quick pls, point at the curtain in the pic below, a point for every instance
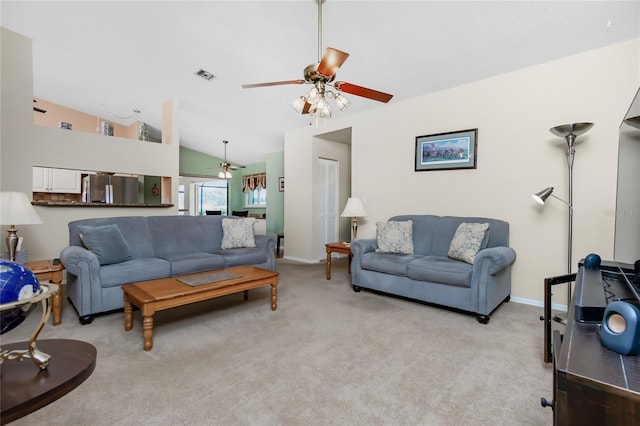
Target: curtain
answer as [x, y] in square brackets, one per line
[251, 182]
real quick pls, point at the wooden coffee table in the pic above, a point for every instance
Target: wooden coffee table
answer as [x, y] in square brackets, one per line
[164, 293]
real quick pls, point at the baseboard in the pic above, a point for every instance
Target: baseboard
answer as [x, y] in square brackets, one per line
[532, 302]
[297, 259]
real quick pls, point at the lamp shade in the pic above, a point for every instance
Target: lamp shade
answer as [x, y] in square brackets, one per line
[542, 196]
[354, 208]
[16, 209]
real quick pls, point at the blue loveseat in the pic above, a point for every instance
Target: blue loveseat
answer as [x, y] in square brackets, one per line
[430, 275]
[155, 247]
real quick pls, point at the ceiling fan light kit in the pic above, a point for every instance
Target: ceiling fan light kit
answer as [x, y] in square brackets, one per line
[322, 75]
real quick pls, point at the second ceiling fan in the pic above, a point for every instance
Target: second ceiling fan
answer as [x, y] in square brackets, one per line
[322, 75]
[226, 167]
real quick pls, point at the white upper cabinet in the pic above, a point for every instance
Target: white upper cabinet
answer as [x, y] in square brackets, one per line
[56, 180]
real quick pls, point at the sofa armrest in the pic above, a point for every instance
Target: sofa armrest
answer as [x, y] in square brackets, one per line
[499, 258]
[268, 244]
[265, 240]
[361, 247]
[76, 258]
[83, 279]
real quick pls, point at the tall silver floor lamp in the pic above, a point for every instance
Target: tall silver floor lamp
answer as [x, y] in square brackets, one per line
[569, 132]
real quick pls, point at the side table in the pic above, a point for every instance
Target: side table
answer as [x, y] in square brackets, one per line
[45, 270]
[340, 247]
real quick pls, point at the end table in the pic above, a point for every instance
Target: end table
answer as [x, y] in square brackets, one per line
[45, 270]
[340, 247]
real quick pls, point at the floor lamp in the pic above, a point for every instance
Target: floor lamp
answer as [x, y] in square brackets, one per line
[569, 132]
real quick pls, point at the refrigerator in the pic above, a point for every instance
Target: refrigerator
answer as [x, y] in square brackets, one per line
[109, 189]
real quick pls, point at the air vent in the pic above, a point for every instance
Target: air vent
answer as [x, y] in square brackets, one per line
[205, 74]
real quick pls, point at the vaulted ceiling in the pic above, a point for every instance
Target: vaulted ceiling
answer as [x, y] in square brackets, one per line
[115, 57]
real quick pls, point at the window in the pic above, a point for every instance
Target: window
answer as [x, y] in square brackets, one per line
[211, 196]
[255, 198]
[255, 190]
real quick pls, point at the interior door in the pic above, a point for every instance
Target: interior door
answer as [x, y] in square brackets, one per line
[328, 215]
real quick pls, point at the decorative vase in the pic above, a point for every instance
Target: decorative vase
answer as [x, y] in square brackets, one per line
[143, 131]
[106, 128]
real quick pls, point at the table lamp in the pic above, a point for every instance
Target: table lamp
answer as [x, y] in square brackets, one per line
[16, 209]
[354, 210]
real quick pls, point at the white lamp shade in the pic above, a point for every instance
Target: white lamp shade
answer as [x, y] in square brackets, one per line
[16, 209]
[354, 208]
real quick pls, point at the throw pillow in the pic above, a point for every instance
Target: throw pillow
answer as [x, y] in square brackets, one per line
[106, 242]
[238, 233]
[467, 241]
[395, 237]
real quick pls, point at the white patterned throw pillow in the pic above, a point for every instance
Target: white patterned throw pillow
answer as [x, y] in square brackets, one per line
[467, 241]
[238, 233]
[395, 237]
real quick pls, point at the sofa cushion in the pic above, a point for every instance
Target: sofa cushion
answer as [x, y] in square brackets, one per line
[244, 256]
[190, 263]
[139, 269]
[106, 242]
[238, 233]
[437, 269]
[173, 235]
[388, 263]
[395, 237]
[467, 241]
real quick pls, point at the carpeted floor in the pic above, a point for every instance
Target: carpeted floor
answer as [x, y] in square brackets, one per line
[327, 356]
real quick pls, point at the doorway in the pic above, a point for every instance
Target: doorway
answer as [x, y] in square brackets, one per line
[327, 203]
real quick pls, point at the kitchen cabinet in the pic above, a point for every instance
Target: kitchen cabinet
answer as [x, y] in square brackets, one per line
[56, 180]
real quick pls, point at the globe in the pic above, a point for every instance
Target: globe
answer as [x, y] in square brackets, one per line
[16, 283]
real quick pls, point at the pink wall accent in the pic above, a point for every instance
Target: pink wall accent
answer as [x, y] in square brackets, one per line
[80, 121]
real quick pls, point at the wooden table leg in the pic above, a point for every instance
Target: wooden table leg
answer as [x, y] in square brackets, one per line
[128, 323]
[274, 296]
[328, 263]
[56, 302]
[147, 327]
[246, 295]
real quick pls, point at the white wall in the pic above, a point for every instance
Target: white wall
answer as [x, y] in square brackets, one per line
[23, 145]
[517, 156]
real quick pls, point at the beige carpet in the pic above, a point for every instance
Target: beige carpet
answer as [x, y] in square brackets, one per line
[327, 356]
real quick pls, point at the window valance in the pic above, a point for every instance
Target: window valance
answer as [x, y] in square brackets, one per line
[251, 182]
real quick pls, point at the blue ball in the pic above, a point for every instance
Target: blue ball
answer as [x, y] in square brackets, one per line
[592, 261]
[16, 283]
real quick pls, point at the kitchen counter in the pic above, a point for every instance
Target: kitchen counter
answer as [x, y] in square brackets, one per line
[76, 204]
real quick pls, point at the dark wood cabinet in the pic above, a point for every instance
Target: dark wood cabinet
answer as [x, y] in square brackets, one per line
[592, 384]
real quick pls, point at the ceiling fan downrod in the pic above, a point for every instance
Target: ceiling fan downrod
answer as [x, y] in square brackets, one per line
[319, 30]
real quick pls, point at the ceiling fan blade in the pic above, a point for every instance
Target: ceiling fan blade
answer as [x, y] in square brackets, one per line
[331, 61]
[305, 108]
[273, 83]
[343, 86]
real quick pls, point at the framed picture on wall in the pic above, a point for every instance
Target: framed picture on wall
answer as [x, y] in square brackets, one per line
[447, 151]
[281, 184]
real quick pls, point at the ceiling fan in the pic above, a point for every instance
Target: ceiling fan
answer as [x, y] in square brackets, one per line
[225, 166]
[322, 75]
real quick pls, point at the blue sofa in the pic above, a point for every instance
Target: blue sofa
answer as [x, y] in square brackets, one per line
[430, 275]
[158, 247]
